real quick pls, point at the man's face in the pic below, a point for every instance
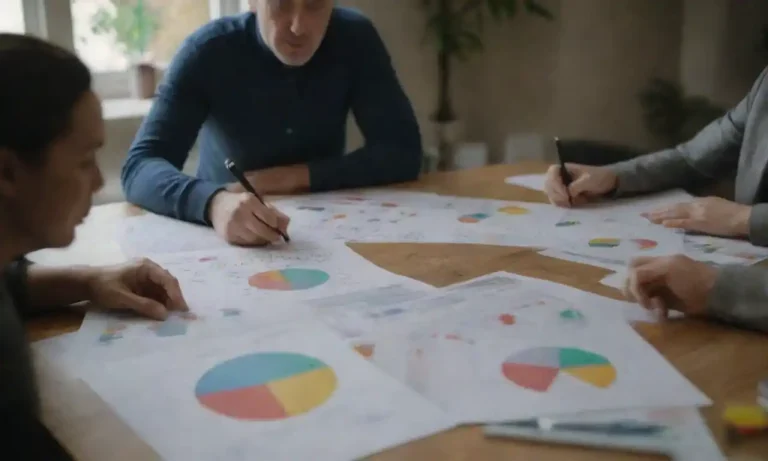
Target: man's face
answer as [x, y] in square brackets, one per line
[293, 29]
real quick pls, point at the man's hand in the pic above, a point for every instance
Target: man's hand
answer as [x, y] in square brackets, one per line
[588, 183]
[711, 215]
[670, 282]
[141, 286]
[281, 180]
[241, 219]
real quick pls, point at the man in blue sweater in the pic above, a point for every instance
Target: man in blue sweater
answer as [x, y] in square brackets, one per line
[272, 90]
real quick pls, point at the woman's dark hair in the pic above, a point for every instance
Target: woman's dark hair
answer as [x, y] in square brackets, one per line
[40, 83]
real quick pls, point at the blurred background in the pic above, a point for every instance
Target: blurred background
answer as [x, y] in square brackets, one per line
[491, 81]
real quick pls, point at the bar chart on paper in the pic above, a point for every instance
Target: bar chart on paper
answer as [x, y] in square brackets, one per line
[537, 368]
[266, 386]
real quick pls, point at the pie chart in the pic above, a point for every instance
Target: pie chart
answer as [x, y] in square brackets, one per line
[513, 210]
[289, 279]
[645, 244]
[571, 314]
[474, 217]
[604, 243]
[537, 368]
[266, 386]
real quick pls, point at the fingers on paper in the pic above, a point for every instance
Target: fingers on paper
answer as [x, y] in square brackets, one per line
[554, 187]
[170, 286]
[142, 305]
[645, 276]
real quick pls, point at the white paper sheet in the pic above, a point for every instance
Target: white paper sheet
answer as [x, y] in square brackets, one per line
[372, 224]
[356, 313]
[500, 303]
[531, 181]
[381, 198]
[367, 312]
[495, 304]
[615, 280]
[610, 263]
[723, 251]
[287, 393]
[270, 276]
[151, 234]
[544, 371]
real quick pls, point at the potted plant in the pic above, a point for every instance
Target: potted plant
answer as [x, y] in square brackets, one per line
[456, 27]
[133, 24]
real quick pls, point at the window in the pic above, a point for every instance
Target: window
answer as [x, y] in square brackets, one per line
[12, 16]
[111, 35]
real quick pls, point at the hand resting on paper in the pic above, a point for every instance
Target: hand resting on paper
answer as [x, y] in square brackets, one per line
[710, 215]
[589, 182]
[239, 218]
[670, 283]
[141, 286]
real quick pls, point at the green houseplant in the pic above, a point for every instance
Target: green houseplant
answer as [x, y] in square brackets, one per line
[133, 24]
[455, 27]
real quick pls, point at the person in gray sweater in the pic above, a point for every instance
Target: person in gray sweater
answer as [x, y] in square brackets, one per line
[50, 130]
[733, 145]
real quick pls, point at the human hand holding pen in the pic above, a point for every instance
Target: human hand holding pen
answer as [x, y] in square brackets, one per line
[240, 176]
[588, 182]
[242, 219]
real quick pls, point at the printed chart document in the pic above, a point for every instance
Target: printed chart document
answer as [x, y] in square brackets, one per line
[284, 393]
[543, 371]
[723, 251]
[366, 312]
[270, 277]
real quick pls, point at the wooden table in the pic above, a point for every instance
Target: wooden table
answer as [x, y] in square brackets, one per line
[724, 362]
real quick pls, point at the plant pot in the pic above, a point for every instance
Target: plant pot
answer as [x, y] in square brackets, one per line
[448, 135]
[143, 81]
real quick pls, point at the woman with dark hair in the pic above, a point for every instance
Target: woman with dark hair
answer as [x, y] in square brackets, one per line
[50, 130]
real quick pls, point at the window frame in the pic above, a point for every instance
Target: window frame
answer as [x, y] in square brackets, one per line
[52, 20]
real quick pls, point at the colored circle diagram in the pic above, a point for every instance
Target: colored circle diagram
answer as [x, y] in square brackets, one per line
[289, 279]
[513, 210]
[473, 218]
[266, 386]
[537, 368]
[640, 244]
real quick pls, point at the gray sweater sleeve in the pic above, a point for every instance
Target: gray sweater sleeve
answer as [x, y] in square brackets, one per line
[740, 296]
[706, 157]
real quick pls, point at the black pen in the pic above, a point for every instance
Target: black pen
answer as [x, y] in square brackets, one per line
[565, 175]
[247, 185]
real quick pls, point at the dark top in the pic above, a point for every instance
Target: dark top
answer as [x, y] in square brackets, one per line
[17, 384]
[23, 436]
[225, 83]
